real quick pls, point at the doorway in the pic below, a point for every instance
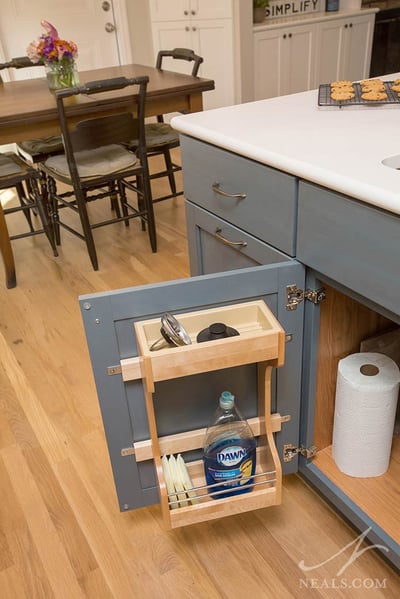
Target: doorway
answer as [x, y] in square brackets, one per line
[104, 43]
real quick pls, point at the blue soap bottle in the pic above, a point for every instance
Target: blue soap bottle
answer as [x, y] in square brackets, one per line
[229, 451]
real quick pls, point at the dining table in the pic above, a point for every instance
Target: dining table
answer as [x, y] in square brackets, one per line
[28, 108]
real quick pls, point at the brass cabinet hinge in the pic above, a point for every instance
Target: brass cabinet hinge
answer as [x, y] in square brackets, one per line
[291, 451]
[295, 295]
[127, 451]
[111, 370]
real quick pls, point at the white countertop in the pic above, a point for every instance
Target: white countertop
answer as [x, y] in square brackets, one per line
[341, 149]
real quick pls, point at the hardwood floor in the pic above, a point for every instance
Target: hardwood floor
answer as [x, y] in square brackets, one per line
[61, 533]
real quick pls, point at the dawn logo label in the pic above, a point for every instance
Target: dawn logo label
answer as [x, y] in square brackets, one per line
[230, 456]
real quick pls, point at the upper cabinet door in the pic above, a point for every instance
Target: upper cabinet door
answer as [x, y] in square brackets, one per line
[298, 52]
[189, 402]
[328, 61]
[357, 47]
[176, 10]
[211, 9]
[283, 60]
[345, 48]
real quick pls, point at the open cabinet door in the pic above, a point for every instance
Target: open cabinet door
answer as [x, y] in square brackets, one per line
[189, 403]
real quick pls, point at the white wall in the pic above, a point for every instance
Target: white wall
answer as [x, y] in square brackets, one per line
[140, 28]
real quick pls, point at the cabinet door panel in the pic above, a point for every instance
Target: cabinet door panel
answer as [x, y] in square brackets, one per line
[357, 56]
[169, 11]
[190, 9]
[210, 9]
[344, 49]
[283, 61]
[335, 238]
[330, 50]
[217, 246]
[172, 34]
[267, 60]
[108, 319]
[297, 65]
[212, 39]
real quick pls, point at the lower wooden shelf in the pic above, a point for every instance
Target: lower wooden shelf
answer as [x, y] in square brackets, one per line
[265, 492]
[377, 496]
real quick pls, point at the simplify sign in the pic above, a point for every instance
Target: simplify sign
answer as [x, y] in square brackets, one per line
[296, 7]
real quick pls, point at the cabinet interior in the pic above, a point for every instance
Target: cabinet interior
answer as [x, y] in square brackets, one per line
[344, 324]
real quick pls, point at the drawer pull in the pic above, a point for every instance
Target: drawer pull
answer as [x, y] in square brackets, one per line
[237, 196]
[218, 235]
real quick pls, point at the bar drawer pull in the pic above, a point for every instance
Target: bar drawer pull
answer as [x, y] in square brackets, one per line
[219, 236]
[237, 196]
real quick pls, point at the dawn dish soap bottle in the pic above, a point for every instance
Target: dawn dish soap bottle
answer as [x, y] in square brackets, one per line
[229, 451]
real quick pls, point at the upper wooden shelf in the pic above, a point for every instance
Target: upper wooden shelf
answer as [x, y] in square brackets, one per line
[261, 338]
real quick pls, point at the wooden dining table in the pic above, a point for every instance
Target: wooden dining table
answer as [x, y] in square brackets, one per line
[28, 108]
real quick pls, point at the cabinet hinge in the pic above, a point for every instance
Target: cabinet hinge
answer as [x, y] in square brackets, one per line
[294, 296]
[127, 451]
[291, 451]
[111, 370]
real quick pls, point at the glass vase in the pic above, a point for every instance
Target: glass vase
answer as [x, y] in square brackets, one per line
[62, 74]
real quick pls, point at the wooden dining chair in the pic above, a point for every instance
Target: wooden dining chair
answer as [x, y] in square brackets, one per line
[34, 151]
[14, 173]
[161, 138]
[97, 164]
[7, 252]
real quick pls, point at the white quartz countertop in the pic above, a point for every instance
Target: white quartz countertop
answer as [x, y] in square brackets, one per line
[341, 149]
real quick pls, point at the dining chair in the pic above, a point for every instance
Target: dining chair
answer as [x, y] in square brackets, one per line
[97, 164]
[161, 138]
[14, 172]
[7, 252]
[34, 151]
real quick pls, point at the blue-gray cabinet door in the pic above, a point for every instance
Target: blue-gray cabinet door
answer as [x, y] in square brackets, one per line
[189, 402]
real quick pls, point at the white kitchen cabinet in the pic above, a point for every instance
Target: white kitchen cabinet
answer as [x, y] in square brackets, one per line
[284, 60]
[344, 48]
[294, 58]
[185, 9]
[205, 27]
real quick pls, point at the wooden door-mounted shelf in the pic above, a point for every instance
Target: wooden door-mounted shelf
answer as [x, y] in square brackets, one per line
[261, 340]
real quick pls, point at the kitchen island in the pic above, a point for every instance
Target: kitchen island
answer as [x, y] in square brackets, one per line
[341, 149]
[283, 180]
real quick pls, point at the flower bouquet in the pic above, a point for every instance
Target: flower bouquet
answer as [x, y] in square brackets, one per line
[57, 55]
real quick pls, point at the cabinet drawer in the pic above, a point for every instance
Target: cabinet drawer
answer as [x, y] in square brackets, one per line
[268, 208]
[218, 246]
[351, 242]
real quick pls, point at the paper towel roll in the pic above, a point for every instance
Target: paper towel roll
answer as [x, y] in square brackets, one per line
[365, 408]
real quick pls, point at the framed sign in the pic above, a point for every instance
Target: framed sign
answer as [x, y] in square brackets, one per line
[283, 8]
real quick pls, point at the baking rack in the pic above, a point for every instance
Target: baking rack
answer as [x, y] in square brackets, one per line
[324, 96]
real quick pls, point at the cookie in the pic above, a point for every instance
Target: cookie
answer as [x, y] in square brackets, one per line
[370, 82]
[374, 96]
[396, 82]
[396, 87]
[342, 95]
[342, 83]
[344, 90]
[372, 88]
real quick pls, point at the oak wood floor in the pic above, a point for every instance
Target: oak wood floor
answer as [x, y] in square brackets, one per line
[61, 534]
